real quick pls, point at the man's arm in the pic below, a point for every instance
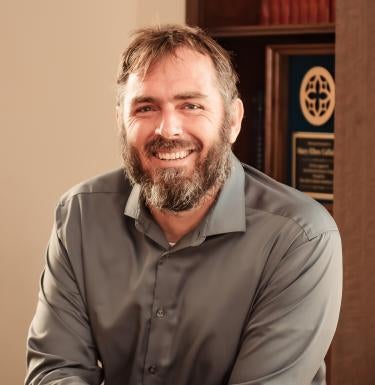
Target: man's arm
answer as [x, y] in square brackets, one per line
[60, 347]
[294, 318]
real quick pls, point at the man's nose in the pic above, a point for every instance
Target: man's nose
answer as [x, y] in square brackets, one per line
[169, 126]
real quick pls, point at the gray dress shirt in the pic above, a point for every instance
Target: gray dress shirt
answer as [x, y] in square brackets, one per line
[251, 296]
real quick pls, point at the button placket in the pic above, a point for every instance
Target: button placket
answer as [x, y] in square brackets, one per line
[160, 313]
[159, 328]
[152, 369]
[163, 257]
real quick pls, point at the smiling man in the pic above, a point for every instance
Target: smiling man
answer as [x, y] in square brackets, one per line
[177, 136]
[191, 268]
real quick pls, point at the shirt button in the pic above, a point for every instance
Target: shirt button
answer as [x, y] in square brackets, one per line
[152, 369]
[160, 313]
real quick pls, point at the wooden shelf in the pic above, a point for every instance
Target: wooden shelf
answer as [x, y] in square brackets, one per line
[272, 30]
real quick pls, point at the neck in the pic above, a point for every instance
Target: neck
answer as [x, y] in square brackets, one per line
[177, 224]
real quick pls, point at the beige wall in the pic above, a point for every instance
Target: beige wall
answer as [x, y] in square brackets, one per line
[58, 65]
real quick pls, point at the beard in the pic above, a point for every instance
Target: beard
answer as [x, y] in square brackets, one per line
[170, 188]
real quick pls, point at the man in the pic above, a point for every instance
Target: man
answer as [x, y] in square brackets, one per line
[192, 269]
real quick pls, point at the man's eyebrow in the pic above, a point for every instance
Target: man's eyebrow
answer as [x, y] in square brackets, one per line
[143, 99]
[190, 95]
[182, 96]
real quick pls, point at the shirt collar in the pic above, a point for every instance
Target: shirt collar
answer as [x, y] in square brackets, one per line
[227, 214]
[133, 206]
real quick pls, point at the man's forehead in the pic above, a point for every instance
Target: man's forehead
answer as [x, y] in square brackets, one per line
[185, 75]
[186, 59]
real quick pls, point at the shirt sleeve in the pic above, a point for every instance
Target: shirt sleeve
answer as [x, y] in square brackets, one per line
[60, 346]
[294, 317]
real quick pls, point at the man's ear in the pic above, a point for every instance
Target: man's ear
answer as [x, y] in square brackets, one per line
[236, 116]
[119, 120]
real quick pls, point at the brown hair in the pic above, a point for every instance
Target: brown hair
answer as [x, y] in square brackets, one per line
[149, 45]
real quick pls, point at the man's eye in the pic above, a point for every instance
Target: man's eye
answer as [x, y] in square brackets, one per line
[191, 106]
[144, 109]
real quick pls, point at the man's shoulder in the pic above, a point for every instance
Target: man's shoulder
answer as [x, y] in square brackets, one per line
[270, 197]
[112, 182]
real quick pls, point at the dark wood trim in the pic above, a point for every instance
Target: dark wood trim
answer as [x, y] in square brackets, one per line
[276, 97]
[275, 132]
[272, 30]
[353, 349]
[193, 12]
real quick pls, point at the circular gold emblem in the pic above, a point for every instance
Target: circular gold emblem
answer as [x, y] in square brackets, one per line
[317, 96]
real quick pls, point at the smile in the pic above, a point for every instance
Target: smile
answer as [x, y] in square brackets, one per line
[173, 155]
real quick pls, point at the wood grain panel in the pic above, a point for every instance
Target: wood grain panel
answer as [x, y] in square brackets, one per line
[224, 12]
[193, 12]
[352, 356]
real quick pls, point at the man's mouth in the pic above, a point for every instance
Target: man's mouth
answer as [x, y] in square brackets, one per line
[173, 155]
[171, 149]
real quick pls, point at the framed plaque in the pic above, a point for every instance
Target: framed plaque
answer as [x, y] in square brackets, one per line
[299, 105]
[312, 164]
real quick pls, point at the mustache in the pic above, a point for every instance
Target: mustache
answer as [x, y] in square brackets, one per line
[160, 143]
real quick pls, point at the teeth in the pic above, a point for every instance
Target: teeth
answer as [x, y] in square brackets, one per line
[172, 155]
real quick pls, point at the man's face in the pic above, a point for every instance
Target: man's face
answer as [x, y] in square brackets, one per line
[176, 137]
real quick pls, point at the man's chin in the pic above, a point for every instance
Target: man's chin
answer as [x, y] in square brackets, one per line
[177, 185]
[161, 173]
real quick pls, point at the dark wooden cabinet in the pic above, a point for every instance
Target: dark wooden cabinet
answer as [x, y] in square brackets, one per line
[236, 26]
